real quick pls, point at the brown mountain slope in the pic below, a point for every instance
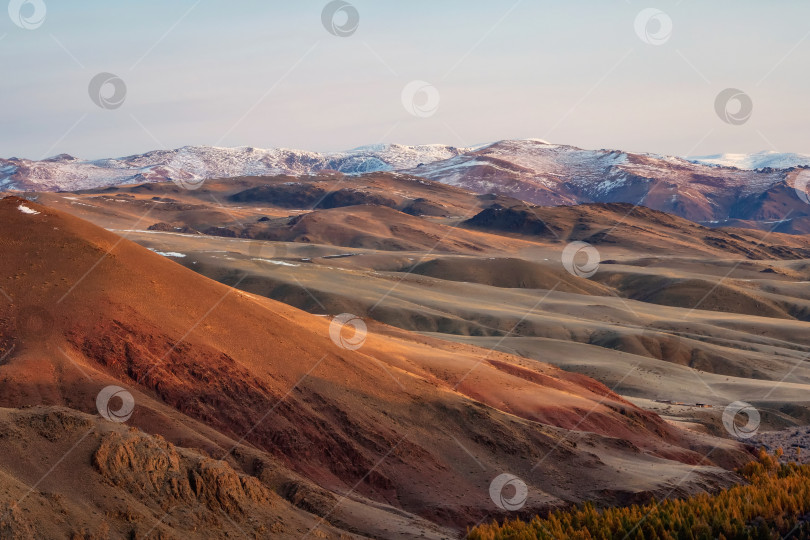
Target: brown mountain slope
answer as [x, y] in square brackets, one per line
[406, 193]
[507, 273]
[635, 228]
[378, 227]
[419, 424]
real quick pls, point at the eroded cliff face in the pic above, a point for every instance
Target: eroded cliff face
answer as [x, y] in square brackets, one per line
[154, 468]
[114, 481]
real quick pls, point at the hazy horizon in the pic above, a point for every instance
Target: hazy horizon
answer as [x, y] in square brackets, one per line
[271, 75]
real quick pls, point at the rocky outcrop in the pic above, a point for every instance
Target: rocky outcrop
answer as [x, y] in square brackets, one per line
[156, 469]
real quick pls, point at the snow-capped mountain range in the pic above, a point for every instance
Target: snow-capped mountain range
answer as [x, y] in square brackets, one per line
[752, 190]
[549, 174]
[68, 173]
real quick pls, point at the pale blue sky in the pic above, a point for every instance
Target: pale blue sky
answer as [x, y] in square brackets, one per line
[266, 73]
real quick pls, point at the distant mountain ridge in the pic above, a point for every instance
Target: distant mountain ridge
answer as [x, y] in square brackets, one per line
[192, 163]
[703, 190]
[549, 175]
[67, 173]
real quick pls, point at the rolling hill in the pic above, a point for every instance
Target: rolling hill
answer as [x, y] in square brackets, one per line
[247, 409]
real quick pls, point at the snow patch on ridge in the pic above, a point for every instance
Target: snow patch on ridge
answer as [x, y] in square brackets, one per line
[168, 253]
[757, 160]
